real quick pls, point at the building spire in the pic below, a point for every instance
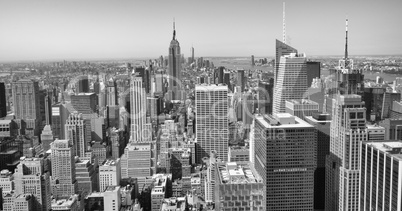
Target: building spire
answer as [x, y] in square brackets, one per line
[346, 43]
[284, 24]
[174, 30]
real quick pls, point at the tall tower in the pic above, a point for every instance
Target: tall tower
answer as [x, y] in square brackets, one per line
[192, 54]
[281, 49]
[75, 133]
[292, 81]
[284, 24]
[174, 89]
[138, 108]
[212, 132]
[64, 183]
[348, 129]
[26, 106]
[285, 158]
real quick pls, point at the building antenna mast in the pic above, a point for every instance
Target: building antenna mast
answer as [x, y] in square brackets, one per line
[284, 24]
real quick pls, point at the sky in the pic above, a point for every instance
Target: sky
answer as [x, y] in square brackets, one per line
[102, 29]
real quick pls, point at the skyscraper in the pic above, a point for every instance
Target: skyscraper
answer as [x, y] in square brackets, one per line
[380, 180]
[211, 102]
[26, 106]
[241, 80]
[82, 84]
[313, 71]
[64, 183]
[75, 132]
[291, 81]
[192, 55]
[30, 178]
[138, 108]
[252, 60]
[282, 49]
[285, 158]
[3, 102]
[174, 89]
[348, 129]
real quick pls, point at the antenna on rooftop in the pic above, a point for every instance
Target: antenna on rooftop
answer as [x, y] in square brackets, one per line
[284, 24]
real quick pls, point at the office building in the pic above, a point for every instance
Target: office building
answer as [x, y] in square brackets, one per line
[393, 128]
[241, 80]
[291, 81]
[3, 100]
[64, 183]
[212, 130]
[174, 70]
[82, 85]
[85, 103]
[281, 49]
[6, 181]
[30, 178]
[111, 92]
[322, 124]
[67, 204]
[238, 187]
[75, 130]
[109, 174]
[252, 60]
[238, 154]
[112, 198]
[375, 133]
[136, 160]
[226, 79]
[380, 179]
[46, 137]
[24, 202]
[285, 158]
[301, 108]
[348, 129]
[265, 96]
[26, 106]
[86, 175]
[159, 191]
[138, 109]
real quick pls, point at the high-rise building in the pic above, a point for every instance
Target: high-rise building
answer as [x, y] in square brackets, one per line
[138, 109]
[26, 106]
[64, 183]
[136, 160]
[174, 89]
[112, 198]
[109, 174]
[281, 49]
[291, 81]
[30, 178]
[238, 187]
[348, 129]
[46, 137]
[265, 96]
[380, 179]
[23, 202]
[211, 102]
[86, 175]
[322, 124]
[226, 78]
[241, 80]
[159, 191]
[145, 75]
[285, 158]
[301, 108]
[3, 101]
[85, 103]
[252, 60]
[75, 132]
[82, 84]
[111, 93]
[192, 54]
[393, 128]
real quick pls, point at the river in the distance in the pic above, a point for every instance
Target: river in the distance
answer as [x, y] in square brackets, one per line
[245, 63]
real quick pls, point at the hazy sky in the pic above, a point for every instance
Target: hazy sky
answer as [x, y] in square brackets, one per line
[89, 29]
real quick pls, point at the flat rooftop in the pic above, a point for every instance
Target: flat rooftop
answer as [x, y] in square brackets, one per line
[299, 123]
[139, 146]
[234, 173]
[110, 163]
[302, 102]
[211, 87]
[388, 147]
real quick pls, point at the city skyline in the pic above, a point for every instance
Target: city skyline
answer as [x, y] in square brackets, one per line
[50, 30]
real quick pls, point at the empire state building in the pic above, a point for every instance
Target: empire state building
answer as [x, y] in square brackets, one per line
[174, 88]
